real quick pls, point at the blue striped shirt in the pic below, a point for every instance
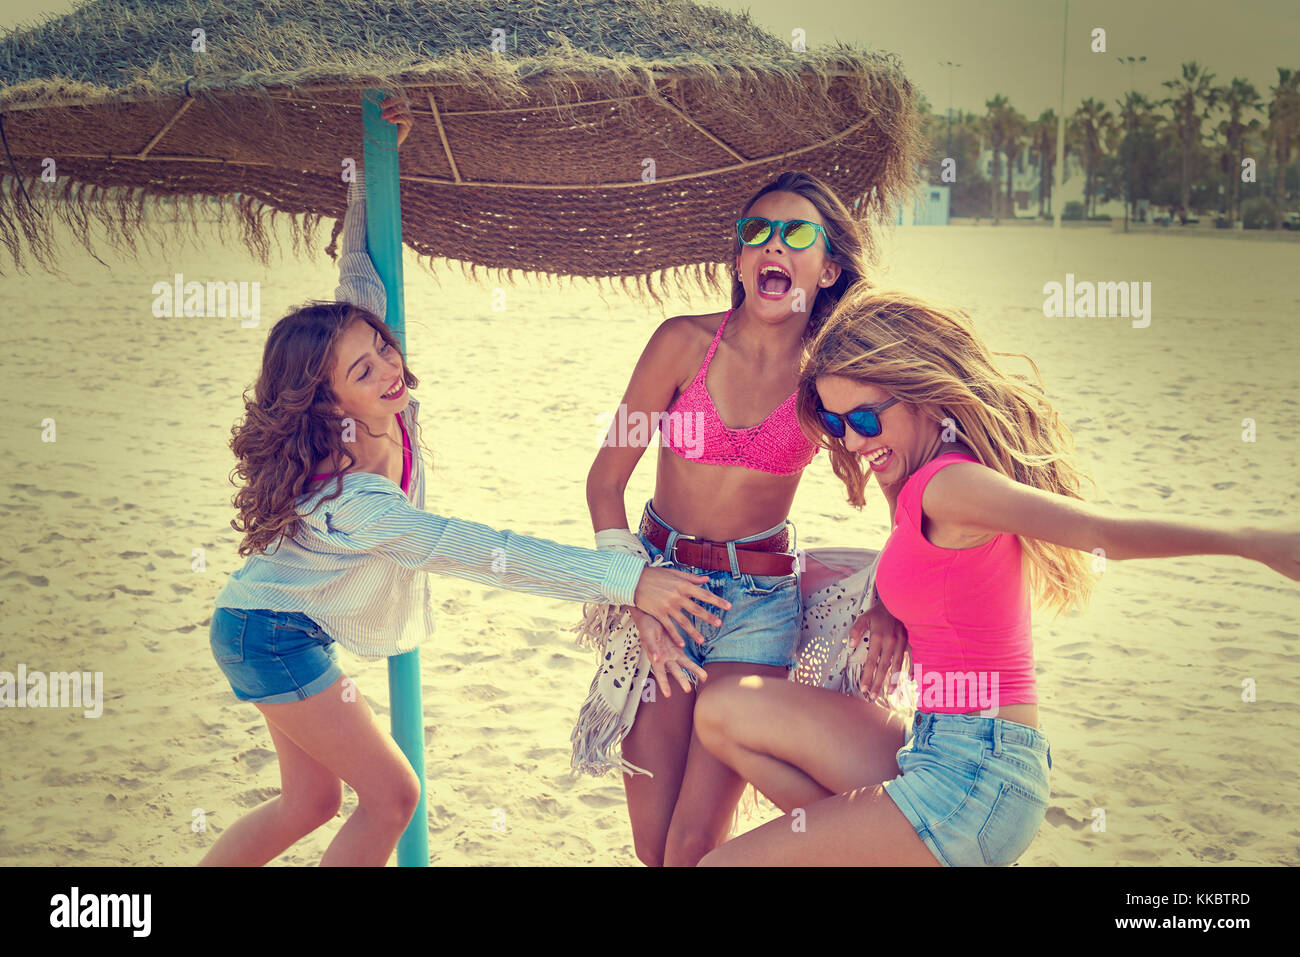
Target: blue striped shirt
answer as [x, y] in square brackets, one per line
[358, 565]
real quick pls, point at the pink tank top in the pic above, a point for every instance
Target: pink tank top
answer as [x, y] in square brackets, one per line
[406, 458]
[966, 610]
[693, 429]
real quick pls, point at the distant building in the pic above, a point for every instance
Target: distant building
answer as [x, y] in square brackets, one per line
[929, 209]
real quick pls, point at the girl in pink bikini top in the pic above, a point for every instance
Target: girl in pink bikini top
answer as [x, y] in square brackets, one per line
[796, 249]
[775, 445]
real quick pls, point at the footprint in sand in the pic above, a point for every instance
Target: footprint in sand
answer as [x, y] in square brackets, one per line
[600, 801]
[255, 758]
[1057, 817]
[40, 581]
[1077, 650]
[255, 796]
[545, 754]
[482, 692]
[547, 805]
[39, 490]
[58, 778]
[535, 638]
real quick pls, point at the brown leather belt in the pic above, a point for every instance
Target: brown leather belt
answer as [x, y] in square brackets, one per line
[766, 556]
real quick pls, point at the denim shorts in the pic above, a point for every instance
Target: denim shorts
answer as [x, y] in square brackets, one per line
[763, 623]
[975, 788]
[273, 656]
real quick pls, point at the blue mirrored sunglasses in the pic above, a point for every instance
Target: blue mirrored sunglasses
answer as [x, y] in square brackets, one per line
[864, 420]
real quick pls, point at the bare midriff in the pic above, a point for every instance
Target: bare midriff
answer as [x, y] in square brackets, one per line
[1019, 713]
[720, 502]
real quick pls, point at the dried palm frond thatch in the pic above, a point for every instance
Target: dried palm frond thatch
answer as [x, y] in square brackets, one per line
[613, 139]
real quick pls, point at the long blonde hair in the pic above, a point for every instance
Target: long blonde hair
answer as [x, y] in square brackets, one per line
[929, 355]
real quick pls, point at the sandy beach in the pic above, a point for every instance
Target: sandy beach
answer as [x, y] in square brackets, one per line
[1157, 757]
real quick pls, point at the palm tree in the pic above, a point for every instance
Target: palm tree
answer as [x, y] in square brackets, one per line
[1094, 125]
[1042, 150]
[1283, 129]
[1238, 98]
[1014, 128]
[994, 127]
[1193, 98]
[1134, 113]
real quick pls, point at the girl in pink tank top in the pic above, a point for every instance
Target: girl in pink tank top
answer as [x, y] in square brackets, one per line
[980, 476]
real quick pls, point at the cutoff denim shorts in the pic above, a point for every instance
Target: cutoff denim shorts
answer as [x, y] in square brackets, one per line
[766, 615]
[273, 656]
[975, 789]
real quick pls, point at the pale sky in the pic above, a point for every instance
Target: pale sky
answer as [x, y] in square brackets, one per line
[1013, 47]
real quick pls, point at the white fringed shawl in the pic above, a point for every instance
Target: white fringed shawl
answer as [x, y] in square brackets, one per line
[843, 588]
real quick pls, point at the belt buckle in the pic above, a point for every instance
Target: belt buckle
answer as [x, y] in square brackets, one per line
[672, 556]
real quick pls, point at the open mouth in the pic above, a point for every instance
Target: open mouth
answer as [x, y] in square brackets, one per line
[773, 281]
[879, 458]
[397, 392]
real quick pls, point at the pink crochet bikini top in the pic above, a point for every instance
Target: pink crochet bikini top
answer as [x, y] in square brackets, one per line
[693, 429]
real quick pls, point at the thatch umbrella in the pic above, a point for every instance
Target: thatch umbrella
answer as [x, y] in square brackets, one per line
[606, 138]
[610, 139]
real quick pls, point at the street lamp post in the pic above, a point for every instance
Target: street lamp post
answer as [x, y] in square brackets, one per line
[1060, 126]
[950, 65]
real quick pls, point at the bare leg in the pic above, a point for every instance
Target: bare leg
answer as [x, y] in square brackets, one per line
[658, 742]
[797, 744]
[861, 828]
[710, 789]
[341, 734]
[310, 795]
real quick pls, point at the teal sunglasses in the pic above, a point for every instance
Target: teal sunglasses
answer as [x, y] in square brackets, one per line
[795, 233]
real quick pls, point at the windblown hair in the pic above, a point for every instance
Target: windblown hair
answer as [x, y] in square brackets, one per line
[852, 244]
[290, 423]
[931, 358]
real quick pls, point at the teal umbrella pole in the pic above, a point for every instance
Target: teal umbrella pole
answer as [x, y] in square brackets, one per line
[384, 243]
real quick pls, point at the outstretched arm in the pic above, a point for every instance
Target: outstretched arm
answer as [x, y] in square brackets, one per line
[971, 495]
[359, 283]
[383, 522]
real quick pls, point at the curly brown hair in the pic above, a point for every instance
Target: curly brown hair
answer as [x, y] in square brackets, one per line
[853, 246]
[290, 424]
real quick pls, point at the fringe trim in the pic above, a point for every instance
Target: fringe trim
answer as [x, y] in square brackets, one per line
[607, 716]
[597, 738]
